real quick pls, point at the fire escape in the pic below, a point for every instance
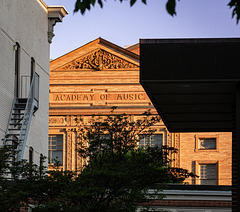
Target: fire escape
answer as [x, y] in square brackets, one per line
[20, 116]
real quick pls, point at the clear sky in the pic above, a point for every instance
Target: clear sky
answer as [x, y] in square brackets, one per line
[122, 25]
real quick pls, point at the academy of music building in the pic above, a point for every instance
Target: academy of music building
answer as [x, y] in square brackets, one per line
[93, 78]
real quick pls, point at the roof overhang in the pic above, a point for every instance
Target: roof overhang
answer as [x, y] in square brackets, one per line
[56, 12]
[191, 82]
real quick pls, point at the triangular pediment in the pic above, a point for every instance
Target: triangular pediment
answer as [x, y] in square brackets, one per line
[99, 60]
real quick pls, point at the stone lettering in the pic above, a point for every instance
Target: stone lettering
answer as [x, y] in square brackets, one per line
[119, 97]
[68, 98]
[57, 98]
[131, 96]
[103, 97]
[141, 97]
[85, 97]
[97, 96]
[74, 97]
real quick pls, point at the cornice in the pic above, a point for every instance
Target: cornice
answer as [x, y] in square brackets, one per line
[91, 46]
[55, 14]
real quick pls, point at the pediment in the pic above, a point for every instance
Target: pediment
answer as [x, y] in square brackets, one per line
[100, 60]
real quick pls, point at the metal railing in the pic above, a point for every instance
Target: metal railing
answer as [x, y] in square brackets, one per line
[26, 85]
[31, 105]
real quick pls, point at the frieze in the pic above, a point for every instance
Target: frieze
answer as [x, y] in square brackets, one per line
[79, 97]
[69, 150]
[100, 60]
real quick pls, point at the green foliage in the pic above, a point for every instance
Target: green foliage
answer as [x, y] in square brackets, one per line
[26, 185]
[116, 177]
[83, 5]
[171, 7]
[115, 133]
[118, 174]
[235, 4]
[21, 183]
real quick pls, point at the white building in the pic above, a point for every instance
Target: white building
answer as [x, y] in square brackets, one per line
[26, 30]
[192, 198]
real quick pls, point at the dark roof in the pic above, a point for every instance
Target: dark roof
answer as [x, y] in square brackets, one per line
[191, 82]
[198, 187]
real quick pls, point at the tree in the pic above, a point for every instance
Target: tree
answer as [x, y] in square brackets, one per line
[26, 185]
[116, 176]
[83, 5]
[21, 183]
[118, 173]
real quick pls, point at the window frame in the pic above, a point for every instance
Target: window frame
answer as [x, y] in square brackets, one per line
[197, 142]
[146, 135]
[198, 172]
[30, 155]
[17, 49]
[32, 68]
[50, 162]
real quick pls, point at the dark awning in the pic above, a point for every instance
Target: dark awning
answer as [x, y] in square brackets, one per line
[191, 82]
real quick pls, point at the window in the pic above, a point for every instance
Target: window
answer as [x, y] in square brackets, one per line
[100, 142]
[151, 140]
[32, 68]
[30, 155]
[207, 143]
[41, 167]
[55, 148]
[208, 174]
[17, 67]
[30, 160]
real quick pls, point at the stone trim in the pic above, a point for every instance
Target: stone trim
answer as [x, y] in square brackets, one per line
[55, 14]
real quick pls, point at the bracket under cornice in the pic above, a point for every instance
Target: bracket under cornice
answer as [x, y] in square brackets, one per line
[55, 14]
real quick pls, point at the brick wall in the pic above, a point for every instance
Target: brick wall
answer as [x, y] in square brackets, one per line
[190, 156]
[74, 81]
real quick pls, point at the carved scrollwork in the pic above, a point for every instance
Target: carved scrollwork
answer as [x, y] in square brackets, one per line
[177, 146]
[69, 150]
[100, 60]
[57, 121]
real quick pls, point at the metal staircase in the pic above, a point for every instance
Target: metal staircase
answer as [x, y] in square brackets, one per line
[20, 119]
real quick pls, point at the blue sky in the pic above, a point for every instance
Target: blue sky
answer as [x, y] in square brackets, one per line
[122, 25]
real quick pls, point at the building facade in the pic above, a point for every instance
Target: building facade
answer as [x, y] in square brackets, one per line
[188, 198]
[93, 78]
[26, 30]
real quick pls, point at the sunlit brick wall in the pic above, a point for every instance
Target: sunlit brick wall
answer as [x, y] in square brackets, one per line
[191, 157]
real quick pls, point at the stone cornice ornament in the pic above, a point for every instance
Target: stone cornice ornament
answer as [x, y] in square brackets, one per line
[100, 60]
[55, 14]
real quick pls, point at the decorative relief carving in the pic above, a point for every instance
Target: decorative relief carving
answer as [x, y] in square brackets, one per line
[177, 146]
[100, 60]
[169, 139]
[57, 121]
[69, 150]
